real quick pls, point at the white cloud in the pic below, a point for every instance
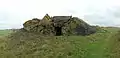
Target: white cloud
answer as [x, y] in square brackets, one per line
[13, 13]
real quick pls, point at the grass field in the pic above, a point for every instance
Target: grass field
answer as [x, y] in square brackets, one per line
[4, 32]
[98, 45]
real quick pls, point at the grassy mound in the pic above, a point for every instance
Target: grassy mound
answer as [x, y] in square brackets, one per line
[22, 44]
[25, 45]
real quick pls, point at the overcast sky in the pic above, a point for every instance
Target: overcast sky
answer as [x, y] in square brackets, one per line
[13, 13]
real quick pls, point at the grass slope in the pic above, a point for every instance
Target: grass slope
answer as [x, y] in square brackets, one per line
[99, 45]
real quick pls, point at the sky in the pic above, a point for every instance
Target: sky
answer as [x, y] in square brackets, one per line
[13, 13]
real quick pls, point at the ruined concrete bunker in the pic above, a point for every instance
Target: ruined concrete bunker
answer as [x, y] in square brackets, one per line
[59, 25]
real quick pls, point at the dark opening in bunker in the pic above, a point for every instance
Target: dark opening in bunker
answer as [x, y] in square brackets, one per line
[58, 31]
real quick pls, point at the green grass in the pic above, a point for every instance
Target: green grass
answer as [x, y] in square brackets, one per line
[4, 32]
[98, 45]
